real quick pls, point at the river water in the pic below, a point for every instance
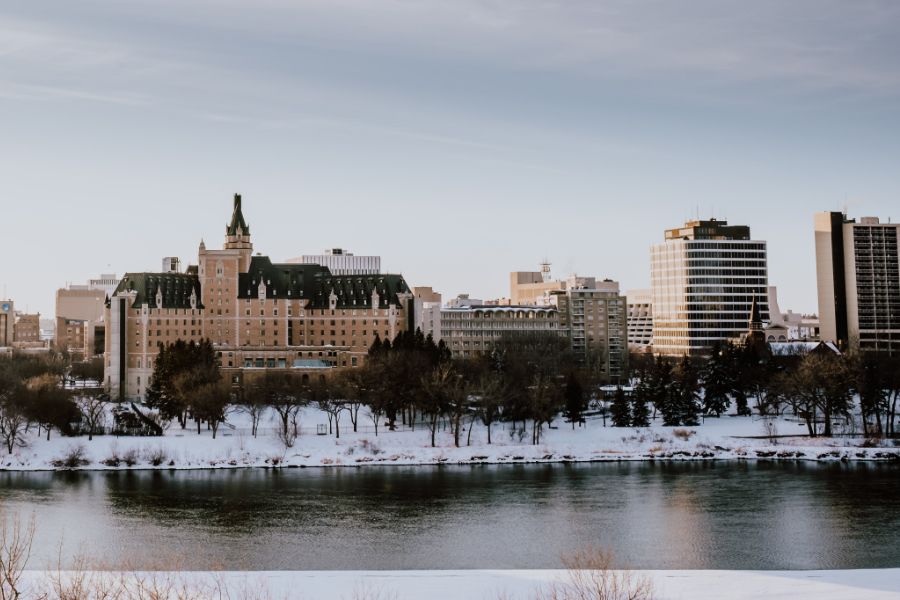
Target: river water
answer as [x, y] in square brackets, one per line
[722, 515]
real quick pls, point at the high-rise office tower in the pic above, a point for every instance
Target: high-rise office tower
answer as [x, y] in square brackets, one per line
[704, 279]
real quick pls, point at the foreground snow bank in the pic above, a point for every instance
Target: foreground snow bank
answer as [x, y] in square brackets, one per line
[726, 438]
[873, 584]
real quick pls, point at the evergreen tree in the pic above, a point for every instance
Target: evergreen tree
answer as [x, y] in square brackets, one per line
[576, 402]
[716, 383]
[660, 391]
[179, 369]
[640, 412]
[686, 394]
[620, 410]
[870, 383]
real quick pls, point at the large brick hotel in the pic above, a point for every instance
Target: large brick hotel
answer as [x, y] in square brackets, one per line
[257, 314]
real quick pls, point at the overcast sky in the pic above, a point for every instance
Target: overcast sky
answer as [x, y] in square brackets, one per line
[458, 139]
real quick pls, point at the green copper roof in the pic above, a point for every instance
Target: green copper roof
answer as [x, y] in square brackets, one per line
[174, 289]
[237, 219]
[315, 283]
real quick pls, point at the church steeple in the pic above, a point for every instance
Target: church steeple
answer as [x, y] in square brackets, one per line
[237, 227]
[756, 323]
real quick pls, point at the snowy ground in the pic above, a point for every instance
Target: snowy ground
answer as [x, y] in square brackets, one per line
[727, 437]
[881, 584]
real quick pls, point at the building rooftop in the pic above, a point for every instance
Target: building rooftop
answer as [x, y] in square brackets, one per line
[173, 289]
[709, 230]
[316, 283]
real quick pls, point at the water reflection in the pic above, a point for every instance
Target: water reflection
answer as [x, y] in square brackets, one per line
[665, 515]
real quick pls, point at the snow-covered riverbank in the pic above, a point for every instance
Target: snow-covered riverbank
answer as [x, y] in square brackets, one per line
[883, 584]
[725, 438]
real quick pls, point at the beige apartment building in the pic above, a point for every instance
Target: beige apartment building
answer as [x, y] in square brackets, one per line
[257, 314]
[858, 276]
[592, 313]
[595, 316]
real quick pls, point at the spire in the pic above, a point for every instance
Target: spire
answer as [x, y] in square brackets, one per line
[237, 226]
[755, 317]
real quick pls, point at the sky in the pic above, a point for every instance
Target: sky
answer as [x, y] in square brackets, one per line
[459, 139]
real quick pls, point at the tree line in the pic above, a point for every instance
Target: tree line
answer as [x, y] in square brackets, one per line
[33, 395]
[526, 380]
[817, 386]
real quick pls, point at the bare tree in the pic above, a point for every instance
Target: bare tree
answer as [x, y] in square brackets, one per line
[254, 402]
[286, 393]
[16, 539]
[93, 412]
[436, 397]
[13, 422]
[376, 413]
[350, 386]
[333, 407]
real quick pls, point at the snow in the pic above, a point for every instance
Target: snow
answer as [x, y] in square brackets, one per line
[880, 584]
[728, 437]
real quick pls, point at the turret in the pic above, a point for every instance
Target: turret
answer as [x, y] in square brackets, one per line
[237, 232]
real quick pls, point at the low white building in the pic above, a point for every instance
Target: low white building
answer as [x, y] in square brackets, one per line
[342, 262]
[471, 329]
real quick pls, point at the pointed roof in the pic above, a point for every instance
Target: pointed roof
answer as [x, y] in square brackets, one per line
[755, 316]
[237, 220]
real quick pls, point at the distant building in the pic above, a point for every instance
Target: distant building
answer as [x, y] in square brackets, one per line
[464, 301]
[529, 287]
[705, 277]
[48, 329]
[106, 282]
[171, 264]
[428, 312]
[28, 330]
[795, 327]
[79, 315]
[594, 315]
[70, 335]
[7, 323]
[341, 262]
[640, 319]
[858, 275]
[471, 329]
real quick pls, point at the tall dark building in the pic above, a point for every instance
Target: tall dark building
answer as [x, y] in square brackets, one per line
[858, 275]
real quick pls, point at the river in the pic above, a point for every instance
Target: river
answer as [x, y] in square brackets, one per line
[711, 515]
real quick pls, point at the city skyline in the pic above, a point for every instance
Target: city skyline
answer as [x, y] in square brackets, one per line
[458, 142]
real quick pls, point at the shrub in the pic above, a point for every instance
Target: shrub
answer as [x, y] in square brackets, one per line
[114, 460]
[591, 575]
[370, 447]
[130, 457]
[683, 434]
[72, 459]
[156, 456]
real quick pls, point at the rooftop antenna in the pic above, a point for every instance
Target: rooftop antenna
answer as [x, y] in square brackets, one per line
[545, 270]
